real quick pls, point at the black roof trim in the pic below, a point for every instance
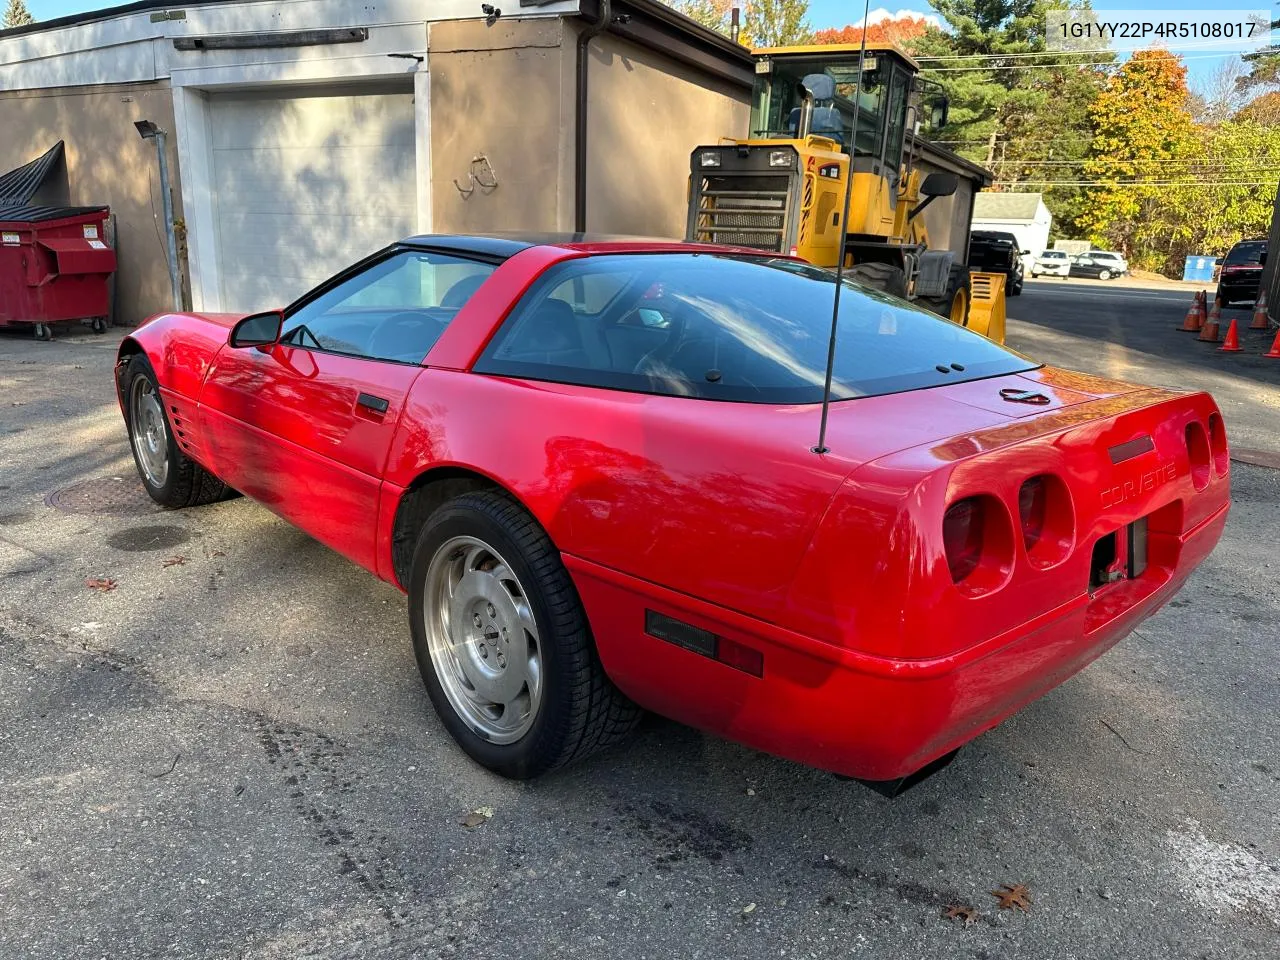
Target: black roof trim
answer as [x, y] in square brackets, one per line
[509, 244]
[24, 213]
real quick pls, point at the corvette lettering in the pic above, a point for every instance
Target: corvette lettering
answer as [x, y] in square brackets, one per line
[1143, 483]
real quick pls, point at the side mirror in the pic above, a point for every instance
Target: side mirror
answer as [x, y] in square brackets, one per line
[939, 113]
[939, 185]
[258, 329]
[1024, 253]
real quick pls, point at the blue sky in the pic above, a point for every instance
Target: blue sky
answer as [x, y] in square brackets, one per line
[823, 13]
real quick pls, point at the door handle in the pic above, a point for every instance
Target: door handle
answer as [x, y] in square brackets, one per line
[370, 402]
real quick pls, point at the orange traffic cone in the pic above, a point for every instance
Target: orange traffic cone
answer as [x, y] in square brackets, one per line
[1259, 321]
[1209, 332]
[1195, 316]
[1232, 342]
[1274, 352]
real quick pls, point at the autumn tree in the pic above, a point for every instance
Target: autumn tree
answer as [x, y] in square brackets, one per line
[1264, 109]
[899, 30]
[17, 15]
[709, 13]
[776, 23]
[1143, 137]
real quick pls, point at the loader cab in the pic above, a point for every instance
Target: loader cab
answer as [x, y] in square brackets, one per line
[882, 98]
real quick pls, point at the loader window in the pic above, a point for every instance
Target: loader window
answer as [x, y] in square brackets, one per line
[777, 98]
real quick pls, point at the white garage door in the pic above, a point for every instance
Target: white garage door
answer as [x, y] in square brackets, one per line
[305, 185]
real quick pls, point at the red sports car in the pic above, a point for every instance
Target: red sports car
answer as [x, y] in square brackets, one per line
[592, 467]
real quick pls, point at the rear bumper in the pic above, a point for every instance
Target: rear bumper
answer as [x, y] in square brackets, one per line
[1239, 288]
[866, 716]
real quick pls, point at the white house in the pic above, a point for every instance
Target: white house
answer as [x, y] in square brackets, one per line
[1022, 214]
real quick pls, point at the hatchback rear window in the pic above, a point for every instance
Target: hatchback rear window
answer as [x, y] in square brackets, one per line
[724, 327]
[1255, 252]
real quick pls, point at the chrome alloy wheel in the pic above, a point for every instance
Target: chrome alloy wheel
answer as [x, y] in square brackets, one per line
[149, 432]
[483, 640]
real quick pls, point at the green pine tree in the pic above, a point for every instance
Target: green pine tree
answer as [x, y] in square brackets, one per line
[17, 15]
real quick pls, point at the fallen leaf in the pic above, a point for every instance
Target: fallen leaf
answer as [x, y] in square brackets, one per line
[174, 561]
[1013, 896]
[216, 553]
[749, 908]
[957, 911]
[101, 584]
[476, 817]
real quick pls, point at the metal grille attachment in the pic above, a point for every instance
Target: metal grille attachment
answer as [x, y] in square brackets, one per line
[744, 211]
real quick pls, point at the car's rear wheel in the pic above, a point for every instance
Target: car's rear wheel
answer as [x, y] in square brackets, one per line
[171, 479]
[503, 644]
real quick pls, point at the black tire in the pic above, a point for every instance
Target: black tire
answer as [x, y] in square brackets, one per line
[1015, 289]
[98, 324]
[880, 276]
[958, 279]
[581, 711]
[43, 332]
[186, 483]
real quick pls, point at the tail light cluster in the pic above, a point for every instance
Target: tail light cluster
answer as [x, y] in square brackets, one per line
[978, 541]
[978, 535]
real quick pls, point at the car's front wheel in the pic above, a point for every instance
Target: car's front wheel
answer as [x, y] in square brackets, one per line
[503, 644]
[1104, 274]
[170, 478]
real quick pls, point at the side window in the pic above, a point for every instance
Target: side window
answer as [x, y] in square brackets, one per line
[394, 310]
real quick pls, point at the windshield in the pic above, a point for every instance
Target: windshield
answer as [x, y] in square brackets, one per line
[1246, 253]
[1053, 255]
[723, 327]
[775, 111]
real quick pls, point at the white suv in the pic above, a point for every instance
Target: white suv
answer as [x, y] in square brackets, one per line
[1051, 263]
[1110, 256]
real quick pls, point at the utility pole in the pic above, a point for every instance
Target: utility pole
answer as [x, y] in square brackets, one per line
[991, 145]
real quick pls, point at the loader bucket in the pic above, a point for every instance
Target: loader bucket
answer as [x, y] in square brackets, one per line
[986, 306]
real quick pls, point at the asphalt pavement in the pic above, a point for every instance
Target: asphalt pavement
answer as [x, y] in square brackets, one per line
[1128, 329]
[224, 750]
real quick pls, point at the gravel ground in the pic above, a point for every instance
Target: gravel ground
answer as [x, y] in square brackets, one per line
[232, 756]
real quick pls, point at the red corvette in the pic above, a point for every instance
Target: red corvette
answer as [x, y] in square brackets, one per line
[592, 467]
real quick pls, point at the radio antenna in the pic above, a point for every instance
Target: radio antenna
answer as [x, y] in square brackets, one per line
[844, 227]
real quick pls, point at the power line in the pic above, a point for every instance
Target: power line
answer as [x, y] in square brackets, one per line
[1061, 66]
[1111, 184]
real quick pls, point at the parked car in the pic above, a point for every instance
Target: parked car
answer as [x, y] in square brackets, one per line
[593, 468]
[1085, 265]
[1119, 265]
[993, 251]
[1051, 263]
[1241, 272]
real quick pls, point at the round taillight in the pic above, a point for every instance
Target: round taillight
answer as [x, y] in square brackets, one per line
[1047, 518]
[1218, 445]
[978, 541]
[1198, 454]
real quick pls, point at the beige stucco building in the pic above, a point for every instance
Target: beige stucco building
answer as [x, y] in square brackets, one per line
[303, 136]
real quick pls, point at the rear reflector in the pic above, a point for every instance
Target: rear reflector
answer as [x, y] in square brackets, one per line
[704, 643]
[1133, 448]
[962, 537]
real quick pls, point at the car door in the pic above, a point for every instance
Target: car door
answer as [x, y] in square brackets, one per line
[304, 425]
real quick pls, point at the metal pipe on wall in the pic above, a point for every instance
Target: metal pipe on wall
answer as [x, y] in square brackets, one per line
[593, 30]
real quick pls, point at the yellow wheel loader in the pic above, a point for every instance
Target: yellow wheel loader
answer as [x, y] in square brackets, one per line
[783, 187]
